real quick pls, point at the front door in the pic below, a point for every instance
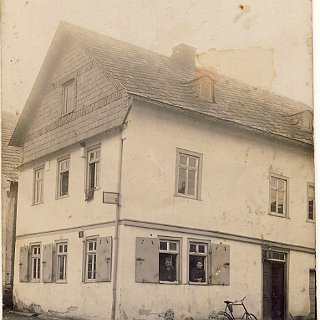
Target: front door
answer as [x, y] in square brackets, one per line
[274, 293]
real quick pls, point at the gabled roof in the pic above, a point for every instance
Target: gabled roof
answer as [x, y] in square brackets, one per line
[149, 75]
[11, 157]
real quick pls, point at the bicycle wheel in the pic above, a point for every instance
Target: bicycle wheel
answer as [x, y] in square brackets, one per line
[223, 316]
[250, 316]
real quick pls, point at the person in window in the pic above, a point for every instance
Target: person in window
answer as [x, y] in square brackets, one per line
[167, 270]
[197, 273]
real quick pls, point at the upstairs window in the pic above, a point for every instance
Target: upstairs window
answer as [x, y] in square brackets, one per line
[278, 196]
[311, 203]
[63, 177]
[35, 263]
[188, 173]
[68, 96]
[93, 169]
[38, 185]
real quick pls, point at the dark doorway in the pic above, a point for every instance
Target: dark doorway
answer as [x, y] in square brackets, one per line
[274, 291]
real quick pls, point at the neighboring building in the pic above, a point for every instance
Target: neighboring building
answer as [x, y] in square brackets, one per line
[209, 171]
[11, 159]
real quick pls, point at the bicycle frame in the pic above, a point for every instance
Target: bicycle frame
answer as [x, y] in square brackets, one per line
[228, 311]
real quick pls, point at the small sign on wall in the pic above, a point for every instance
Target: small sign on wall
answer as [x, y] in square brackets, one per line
[110, 197]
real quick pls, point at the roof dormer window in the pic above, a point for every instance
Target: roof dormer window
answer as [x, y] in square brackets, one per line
[305, 121]
[68, 96]
[206, 90]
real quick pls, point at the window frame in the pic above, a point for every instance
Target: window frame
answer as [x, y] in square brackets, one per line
[36, 183]
[285, 214]
[59, 180]
[311, 185]
[178, 254]
[207, 256]
[198, 180]
[97, 168]
[65, 254]
[38, 257]
[90, 239]
[68, 107]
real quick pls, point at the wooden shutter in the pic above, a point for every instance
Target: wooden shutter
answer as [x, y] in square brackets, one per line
[104, 259]
[147, 260]
[47, 263]
[221, 264]
[24, 264]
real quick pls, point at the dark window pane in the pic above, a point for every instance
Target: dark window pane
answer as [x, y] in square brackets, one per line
[64, 183]
[193, 248]
[182, 180]
[92, 171]
[202, 248]
[191, 182]
[173, 246]
[163, 245]
[167, 267]
[273, 206]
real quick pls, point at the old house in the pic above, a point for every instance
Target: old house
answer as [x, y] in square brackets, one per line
[10, 160]
[138, 167]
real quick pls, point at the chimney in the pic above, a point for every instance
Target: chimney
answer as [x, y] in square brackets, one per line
[184, 54]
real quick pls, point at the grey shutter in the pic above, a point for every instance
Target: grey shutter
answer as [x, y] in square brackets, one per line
[24, 263]
[47, 263]
[221, 264]
[147, 260]
[104, 259]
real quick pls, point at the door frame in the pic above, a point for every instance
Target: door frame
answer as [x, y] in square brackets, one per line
[286, 275]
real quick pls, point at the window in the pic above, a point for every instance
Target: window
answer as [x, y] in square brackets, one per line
[206, 90]
[198, 260]
[93, 168]
[168, 260]
[91, 260]
[188, 173]
[278, 190]
[35, 263]
[311, 202]
[62, 251]
[63, 177]
[68, 96]
[38, 185]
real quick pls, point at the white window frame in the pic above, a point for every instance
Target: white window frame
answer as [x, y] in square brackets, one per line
[205, 255]
[68, 96]
[96, 161]
[35, 261]
[169, 251]
[311, 186]
[278, 177]
[93, 254]
[197, 169]
[38, 185]
[61, 171]
[62, 256]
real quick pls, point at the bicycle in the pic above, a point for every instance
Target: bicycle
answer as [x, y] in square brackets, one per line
[227, 314]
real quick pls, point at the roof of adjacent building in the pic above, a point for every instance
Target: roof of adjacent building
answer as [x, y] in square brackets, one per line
[11, 156]
[153, 76]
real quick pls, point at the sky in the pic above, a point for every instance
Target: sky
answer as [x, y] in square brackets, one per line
[266, 43]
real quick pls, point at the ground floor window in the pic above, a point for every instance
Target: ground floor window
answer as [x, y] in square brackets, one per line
[62, 251]
[35, 262]
[169, 260]
[91, 259]
[198, 257]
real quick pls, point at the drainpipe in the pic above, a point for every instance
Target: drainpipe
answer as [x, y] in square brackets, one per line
[116, 233]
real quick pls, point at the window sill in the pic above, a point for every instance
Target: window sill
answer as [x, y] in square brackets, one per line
[61, 282]
[35, 281]
[36, 204]
[311, 221]
[89, 281]
[278, 215]
[62, 197]
[170, 282]
[179, 195]
[198, 283]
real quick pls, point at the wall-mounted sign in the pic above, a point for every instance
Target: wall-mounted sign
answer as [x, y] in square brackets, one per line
[110, 197]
